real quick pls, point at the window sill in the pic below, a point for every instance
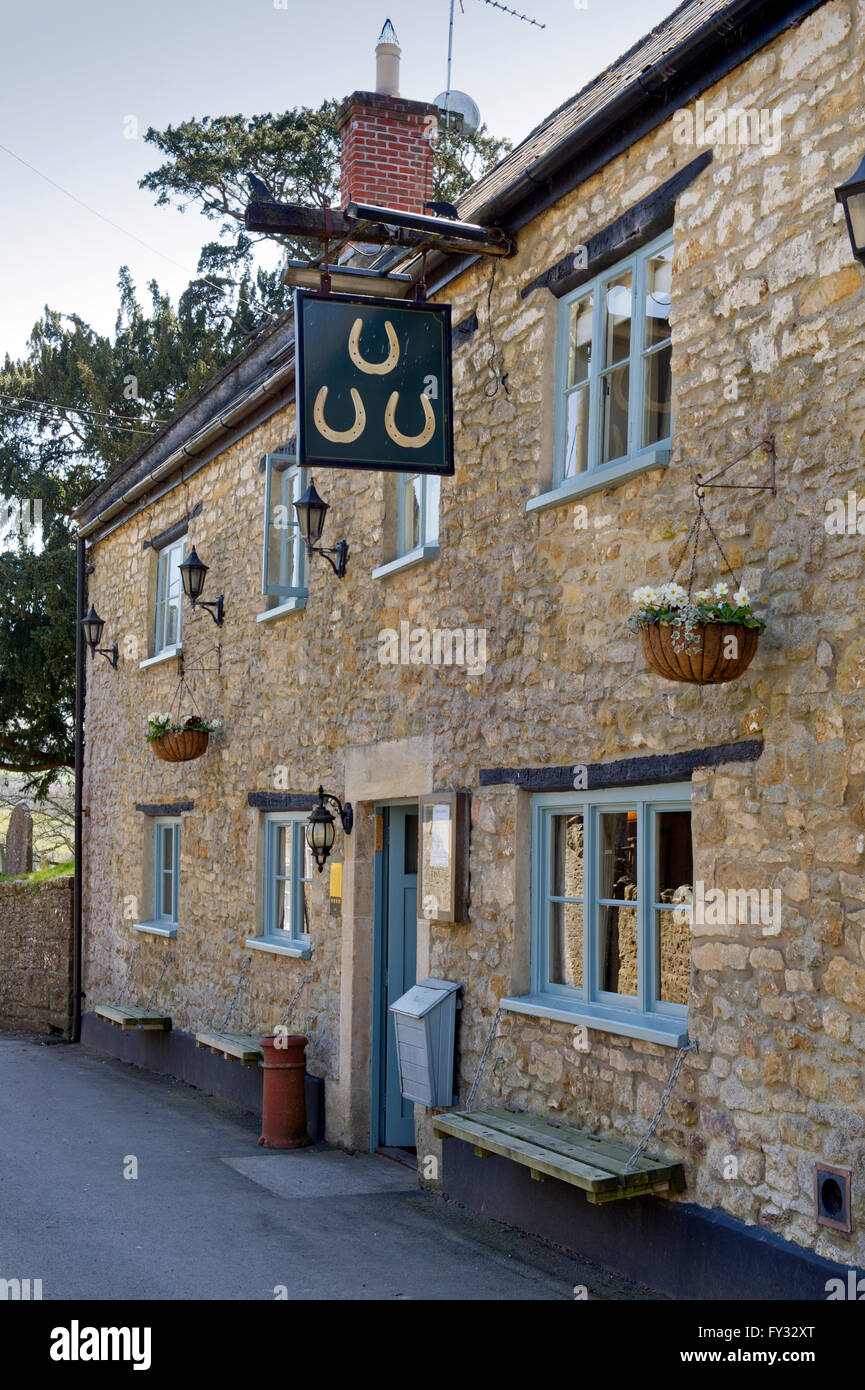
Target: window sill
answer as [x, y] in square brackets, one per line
[291, 605]
[658, 1028]
[276, 948]
[156, 928]
[406, 562]
[167, 655]
[597, 479]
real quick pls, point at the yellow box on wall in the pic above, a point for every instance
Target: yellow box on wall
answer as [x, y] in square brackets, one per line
[336, 885]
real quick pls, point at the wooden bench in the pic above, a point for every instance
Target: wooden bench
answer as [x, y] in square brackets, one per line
[128, 1016]
[551, 1150]
[242, 1046]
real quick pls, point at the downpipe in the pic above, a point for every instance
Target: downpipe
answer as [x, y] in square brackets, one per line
[77, 895]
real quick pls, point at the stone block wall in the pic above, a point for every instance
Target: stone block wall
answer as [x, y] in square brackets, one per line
[768, 323]
[36, 955]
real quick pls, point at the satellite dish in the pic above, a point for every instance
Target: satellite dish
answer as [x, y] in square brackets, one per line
[461, 113]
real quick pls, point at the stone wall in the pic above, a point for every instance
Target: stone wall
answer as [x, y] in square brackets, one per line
[36, 955]
[768, 334]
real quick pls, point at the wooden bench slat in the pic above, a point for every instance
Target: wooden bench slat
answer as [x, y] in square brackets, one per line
[551, 1149]
[128, 1016]
[242, 1046]
[611, 1155]
[534, 1156]
[601, 1143]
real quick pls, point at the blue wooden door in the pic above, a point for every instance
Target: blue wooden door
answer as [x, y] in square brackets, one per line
[398, 928]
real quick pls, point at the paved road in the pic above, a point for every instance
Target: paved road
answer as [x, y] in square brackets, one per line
[212, 1216]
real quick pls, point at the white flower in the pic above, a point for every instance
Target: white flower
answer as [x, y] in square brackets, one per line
[703, 596]
[646, 597]
[740, 598]
[154, 717]
[721, 589]
[674, 594]
[215, 724]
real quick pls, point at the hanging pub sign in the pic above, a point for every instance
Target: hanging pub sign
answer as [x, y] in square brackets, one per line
[374, 385]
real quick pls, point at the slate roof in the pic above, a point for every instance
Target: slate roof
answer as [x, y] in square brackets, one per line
[663, 40]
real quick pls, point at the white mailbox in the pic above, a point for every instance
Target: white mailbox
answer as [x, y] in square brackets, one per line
[425, 1019]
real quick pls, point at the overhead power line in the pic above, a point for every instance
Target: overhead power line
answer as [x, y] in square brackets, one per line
[244, 299]
[107, 413]
[28, 408]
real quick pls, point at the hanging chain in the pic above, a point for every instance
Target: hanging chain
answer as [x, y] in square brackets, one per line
[699, 522]
[711, 531]
[690, 1046]
[153, 993]
[293, 1000]
[702, 518]
[128, 973]
[231, 1006]
[486, 1052]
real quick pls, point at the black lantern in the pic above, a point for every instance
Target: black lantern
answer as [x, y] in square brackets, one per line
[852, 195]
[193, 573]
[320, 830]
[93, 627]
[311, 512]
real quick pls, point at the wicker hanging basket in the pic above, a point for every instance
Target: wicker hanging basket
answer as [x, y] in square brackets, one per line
[181, 747]
[706, 662]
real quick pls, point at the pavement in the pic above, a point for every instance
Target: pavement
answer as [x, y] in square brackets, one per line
[211, 1216]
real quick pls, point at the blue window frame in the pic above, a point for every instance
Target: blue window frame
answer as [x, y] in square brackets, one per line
[285, 562]
[169, 597]
[417, 511]
[166, 870]
[287, 881]
[612, 886]
[613, 396]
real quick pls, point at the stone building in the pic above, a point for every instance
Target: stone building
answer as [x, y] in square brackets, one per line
[682, 288]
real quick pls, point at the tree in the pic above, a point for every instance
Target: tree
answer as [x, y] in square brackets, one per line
[70, 411]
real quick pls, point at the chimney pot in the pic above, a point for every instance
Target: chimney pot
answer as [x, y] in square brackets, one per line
[387, 56]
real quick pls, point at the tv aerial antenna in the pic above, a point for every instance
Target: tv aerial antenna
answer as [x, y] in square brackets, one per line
[457, 102]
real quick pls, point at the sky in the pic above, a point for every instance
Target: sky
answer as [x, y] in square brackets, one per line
[79, 79]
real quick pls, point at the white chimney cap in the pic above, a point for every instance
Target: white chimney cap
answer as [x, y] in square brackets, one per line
[387, 55]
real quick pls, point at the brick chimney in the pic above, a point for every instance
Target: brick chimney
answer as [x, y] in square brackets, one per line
[387, 152]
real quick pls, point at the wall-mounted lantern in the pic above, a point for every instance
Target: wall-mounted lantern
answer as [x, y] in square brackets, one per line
[93, 626]
[320, 831]
[311, 512]
[193, 573]
[852, 196]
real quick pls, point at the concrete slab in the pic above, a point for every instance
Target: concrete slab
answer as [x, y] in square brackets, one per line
[321, 1172]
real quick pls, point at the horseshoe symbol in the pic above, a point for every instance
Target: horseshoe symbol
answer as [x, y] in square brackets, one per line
[376, 368]
[409, 441]
[340, 436]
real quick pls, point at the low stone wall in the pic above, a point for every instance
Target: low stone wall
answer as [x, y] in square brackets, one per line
[36, 955]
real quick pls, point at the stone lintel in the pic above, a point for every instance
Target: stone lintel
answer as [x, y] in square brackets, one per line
[625, 772]
[635, 228]
[281, 801]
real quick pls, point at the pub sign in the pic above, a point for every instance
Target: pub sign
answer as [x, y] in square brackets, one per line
[374, 385]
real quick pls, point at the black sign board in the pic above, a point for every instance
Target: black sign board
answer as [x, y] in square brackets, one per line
[374, 385]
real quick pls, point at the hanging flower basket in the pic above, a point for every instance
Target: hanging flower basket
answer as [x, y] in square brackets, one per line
[179, 742]
[705, 640]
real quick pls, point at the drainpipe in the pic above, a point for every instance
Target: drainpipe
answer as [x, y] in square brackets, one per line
[77, 929]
